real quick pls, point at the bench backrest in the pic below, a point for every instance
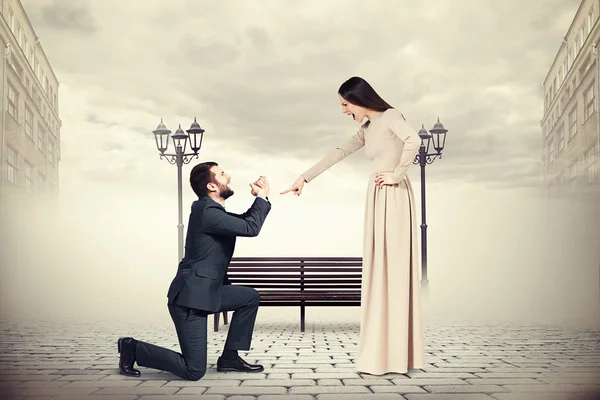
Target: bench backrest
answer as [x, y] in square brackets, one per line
[297, 273]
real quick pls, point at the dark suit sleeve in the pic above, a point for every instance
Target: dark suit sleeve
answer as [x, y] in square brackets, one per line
[216, 221]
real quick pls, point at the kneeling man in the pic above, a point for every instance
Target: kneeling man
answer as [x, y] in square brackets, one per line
[201, 286]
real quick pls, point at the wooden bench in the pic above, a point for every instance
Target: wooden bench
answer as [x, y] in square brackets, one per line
[298, 281]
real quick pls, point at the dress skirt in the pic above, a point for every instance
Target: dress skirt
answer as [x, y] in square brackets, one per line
[391, 333]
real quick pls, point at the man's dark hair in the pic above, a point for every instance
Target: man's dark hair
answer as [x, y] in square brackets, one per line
[201, 176]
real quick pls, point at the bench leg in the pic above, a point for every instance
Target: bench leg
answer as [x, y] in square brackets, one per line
[225, 317]
[302, 317]
[216, 317]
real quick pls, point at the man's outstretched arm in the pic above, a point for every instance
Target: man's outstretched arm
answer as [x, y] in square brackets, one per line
[217, 221]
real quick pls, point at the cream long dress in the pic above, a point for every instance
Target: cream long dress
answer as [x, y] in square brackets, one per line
[391, 333]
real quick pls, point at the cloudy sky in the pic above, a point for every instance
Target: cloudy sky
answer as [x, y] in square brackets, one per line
[262, 79]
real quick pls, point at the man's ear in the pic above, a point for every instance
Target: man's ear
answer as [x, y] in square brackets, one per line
[211, 187]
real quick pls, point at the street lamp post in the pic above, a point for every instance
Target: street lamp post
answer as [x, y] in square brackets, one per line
[438, 134]
[180, 139]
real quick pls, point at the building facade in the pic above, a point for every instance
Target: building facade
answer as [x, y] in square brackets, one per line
[29, 122]
[570, 123]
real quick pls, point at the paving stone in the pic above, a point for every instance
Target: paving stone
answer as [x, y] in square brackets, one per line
[366, 382]
[248, 390]
[95, 377]
[537, 396]
[376, 396]
[446, 396]
[140, 391]
[429, 381]
[101, 384]
[516, 374]
[579, 380]
[179, 397]
[281, 382]
[461, 375]
[543, 388]
[239, 398]
[53, 391]
[503, 381]
[278, 375]
[398, 389]
[465, 389]
[329, 382]
[42, 384]
[315, 390]
[326, 375]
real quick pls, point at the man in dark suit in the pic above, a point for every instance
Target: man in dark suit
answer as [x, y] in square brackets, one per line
[201, 287]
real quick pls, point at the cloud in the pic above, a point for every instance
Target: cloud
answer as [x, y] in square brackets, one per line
[69, 16]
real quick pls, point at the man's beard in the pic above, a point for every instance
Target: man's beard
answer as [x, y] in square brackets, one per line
[226, 192]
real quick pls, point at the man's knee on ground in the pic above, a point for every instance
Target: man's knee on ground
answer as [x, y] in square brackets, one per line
[196, 375]
[255, 298]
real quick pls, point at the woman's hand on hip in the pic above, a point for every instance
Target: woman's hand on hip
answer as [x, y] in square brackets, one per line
[385, 179]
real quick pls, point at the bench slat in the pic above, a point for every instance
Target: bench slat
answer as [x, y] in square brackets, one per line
[262, 268]
[318, 259]
[297, 287]
[295, 264]
[296, 281]
[296, 275]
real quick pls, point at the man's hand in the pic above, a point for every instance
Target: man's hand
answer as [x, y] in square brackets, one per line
[260, 187]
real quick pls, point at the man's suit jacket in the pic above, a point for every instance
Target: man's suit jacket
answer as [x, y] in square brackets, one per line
[209, 246]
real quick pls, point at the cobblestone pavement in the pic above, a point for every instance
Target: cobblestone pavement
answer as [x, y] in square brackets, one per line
[468, 361]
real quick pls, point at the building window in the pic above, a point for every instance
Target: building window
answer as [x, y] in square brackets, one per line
[561, 179]
[591, 19]
[20, 36]
[585, 65]
[560, 77]
[561, 138]
[573, 174]
[40, 137]
[11, 165]
[28, 177]
[588, 98]
[590, 157]
[28, 122]
[550, 152]
[11, 20]
[41, 183]
[50, 151]
[1, 6]
[12, 105]
[573, 122]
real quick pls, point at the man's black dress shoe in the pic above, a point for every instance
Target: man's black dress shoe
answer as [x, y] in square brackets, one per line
[126, 347]
[237, 365]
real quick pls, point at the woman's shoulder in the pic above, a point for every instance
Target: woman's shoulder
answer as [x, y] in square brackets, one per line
[392, 113]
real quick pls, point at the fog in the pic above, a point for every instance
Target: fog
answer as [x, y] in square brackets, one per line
[109, 252]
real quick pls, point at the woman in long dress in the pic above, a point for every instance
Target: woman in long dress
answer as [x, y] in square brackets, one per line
[391, 333]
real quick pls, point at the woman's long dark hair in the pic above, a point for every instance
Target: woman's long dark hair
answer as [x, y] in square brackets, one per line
[358, 91]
